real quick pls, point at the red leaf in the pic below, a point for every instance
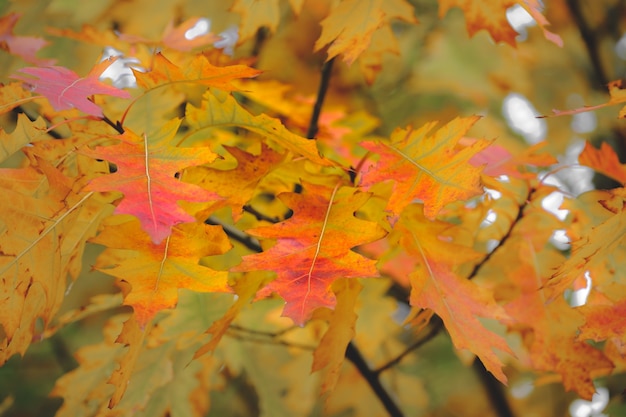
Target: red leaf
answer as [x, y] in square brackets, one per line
[314, 248]
[25, 47]
[66, 90]
[146, 175]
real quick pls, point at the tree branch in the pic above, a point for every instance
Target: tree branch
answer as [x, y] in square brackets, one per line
[319, 101]
[493, 389]
[354, 355]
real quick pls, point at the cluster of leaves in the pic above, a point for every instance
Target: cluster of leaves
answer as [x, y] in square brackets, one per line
[228, 216]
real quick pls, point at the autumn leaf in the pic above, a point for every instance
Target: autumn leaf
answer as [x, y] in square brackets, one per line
[156, 272]
[437, 284]
[176, 37]
[329, 355]
[604, 161]
[497, 160]
[42, 213]
[426, 166]
[24, 133]
[219, 109]
[313, 248]
[146, 176]
[199, 71]
[236, 186]
[26, 47]
[491, 16]
[66, 90]
[350, 26]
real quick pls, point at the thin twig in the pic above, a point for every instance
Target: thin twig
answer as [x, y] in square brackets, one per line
[435, 326]
[117, 126]
[319, 101]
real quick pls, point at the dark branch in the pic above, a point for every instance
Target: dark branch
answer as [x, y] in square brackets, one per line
[493, 389]
[236, 234]
[354, 355]
[591, 43]
[319, 101]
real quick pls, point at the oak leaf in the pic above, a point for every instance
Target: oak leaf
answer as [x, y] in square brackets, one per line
[604, 161]
[313, 248]
[66, 90]
[437, 284]
[219, 109]
[156, 272]
[426, 166]
[199, 71]
[26, 47]
[146, 176]
[491, 16]
[350, 26]
[24, 133]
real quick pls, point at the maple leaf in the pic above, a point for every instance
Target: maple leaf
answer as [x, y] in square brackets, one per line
[25, 47]
[66, 90]
[426, 167]
[313, 248]
[350, 26]
[146, 176]
[199, 70]
[155, 272]
[436, 284]
[491, 16]
[617, 93]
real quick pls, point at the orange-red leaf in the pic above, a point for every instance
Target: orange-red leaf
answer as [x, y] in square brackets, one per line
[437, 285]
[313, 248]
[156, 272]
[146, 176]
[604, 161]
[426, 166]
[491, 16]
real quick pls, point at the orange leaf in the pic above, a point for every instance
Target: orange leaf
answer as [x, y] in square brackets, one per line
[604, 161]
[146, 176]
[427, 167]
[314, 248]
[199, 71]
[155, 272]
[330, 352]
[491, 16]
[175, 37]
[350, 26]
[437, 285]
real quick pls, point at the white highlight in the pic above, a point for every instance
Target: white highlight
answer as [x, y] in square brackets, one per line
[579, 297]
[521, 116]
[552, 202]
[593, 408]
[202, 27]
[120, 71]
[520, 19]
[229, 39]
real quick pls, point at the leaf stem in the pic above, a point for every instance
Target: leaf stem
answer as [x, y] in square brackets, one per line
[319, 101]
